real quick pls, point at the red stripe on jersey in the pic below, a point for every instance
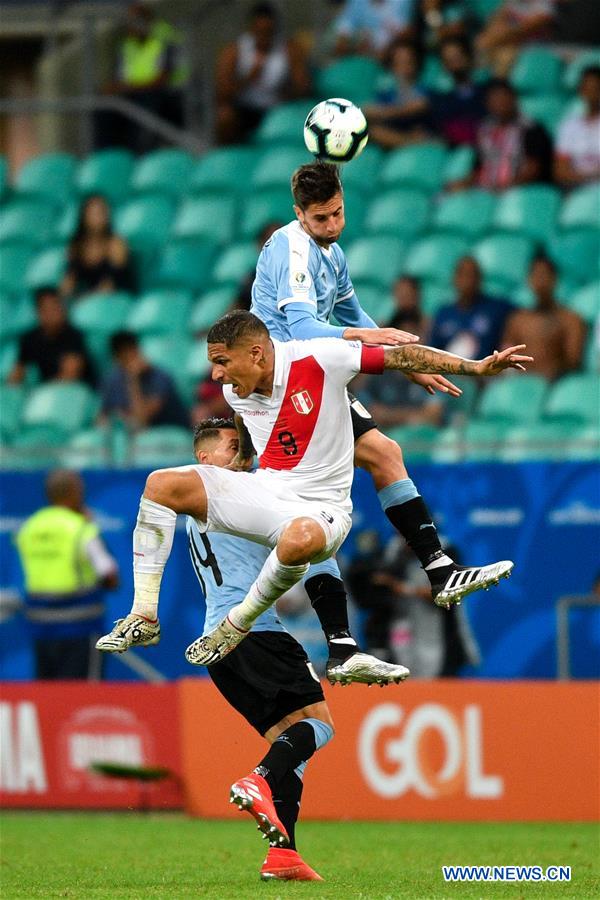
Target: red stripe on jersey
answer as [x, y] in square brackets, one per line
[297, 419]
[371, 360]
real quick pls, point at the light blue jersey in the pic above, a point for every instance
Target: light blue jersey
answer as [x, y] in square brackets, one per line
[299, 285]
[226, 566]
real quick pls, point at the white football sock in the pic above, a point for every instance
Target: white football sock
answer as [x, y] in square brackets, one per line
[274, 579]
[152, 542]
[438, 563]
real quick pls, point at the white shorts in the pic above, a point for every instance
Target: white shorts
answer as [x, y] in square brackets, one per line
[256, 506]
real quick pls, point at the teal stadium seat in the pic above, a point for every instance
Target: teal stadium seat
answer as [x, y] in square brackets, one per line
[274, 205]
[585, 302]
[65, 407]
[363, 174]
[275, 167]
[417, 441]
[376, 259]
[355, 208]
[3, 176]
[512, 399]
[354, 78]
[9, 351]
[167, 351]
[207, 215]
[531, 210]
[186, 263]
[17, 314]
[420, 166]
[50, 176]
[225, 169]
[482, 440]
[29, 220]
[196, 365]
[550, 441]
[434, 295]
[164, 445]
[160, 312]
[34, 447]
[166, 171]
[145, 222]
[46, 268]
[576, 253]
[87, 449]
[375, 301]
[284, 124]
[235, 262]
[435, 257]
[12, 400]
[537, 71]
[106, 172]
[468, 213]
[574, 399]
[401, 212]
[101, 313]
[547, 109]
[459, 163]
[573, 70]
[65, 223]
[504, 257]
[209, 307]
[581, 208]
[14, 260]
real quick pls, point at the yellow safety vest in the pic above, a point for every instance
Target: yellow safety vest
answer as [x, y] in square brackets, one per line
[51, 545]
[141, 61]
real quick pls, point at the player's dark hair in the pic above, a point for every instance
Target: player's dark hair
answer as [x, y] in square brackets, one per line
[499, 84]
[122, 340]
[210, 428]
[543, 260]
[262, 10]
[589, 70]
[44, 291]
[462, 42]
[410, 279]
[407, 44]
[315, 183]
[235, 326]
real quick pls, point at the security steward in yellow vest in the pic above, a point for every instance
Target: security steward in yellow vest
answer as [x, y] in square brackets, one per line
[66, 567]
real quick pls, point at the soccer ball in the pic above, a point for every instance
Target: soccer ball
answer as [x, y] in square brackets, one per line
[336, 131]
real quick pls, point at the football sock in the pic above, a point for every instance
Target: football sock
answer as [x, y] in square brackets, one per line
[408, 513]
[328, 599]
[274, 579]
[287, 803]
[152, 542]
[294, 746]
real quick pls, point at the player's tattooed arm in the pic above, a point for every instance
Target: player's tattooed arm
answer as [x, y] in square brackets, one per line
[244, 458]
[417, 358]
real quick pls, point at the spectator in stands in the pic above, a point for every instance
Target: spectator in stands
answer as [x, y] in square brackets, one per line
[54, 346]
[396, 401]
[98, 258]
[138, 392]
[577, 158]
[457, 113]
[400, 114]
[555, 336]
[473, 324]
[255, 73]
[67, 568]
[244, 294]
[511, 150]
[515, 24]
[148, 74]
[210, 402]
[439, 20]
[369, 26]
[408, 315]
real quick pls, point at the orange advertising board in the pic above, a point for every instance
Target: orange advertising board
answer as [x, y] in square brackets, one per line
[442, 750]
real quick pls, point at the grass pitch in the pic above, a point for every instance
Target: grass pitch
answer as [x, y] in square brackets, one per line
[97, 855]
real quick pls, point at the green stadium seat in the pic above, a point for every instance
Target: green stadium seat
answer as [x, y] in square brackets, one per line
[434, 295]
[585, 302]
[512, 398]
[65, 224]
[591, 354]
[66, 407]
[160, 312]
[34, 447]
[573, 70]
[355, 208]
[435, 257]
[536, 71]
[87, 450]
[14, 260]
[210, 307]
[164, 445]
[168, 351]
[284, 124]
[101, 313]
[12, 400]
[196, 365]
[186, 263]
[274, 205]
[166, 171]
[354, 78]
[483, 9]
[364, 171]
[206, 215]
[46, 268]
[17, 314]
[421, 166]
[235, 263]
[402, 212]
[417, 441]
[547, 109]
[375, 301]
[531, 210]
[459, 163]
[482, 440]
[3, 176]
[225, 169]
[106, 172]
[28, 220]
[581, 208]
[504, 256]
[449, 445]
[9, 351]
[574, 398]
[466, 212]
[550, 441]
[145, 222]
[50, 176]
[377, 259]
[460, 409]
[576, 253]
[275, 167]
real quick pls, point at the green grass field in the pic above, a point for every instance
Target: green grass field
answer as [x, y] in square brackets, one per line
[96, 855]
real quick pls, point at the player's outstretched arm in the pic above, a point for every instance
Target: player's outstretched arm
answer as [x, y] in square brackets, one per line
[417, 358]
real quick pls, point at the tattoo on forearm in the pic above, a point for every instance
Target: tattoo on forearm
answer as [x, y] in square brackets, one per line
[417, 358]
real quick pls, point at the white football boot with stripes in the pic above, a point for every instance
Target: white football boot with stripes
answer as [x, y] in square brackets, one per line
[464, 580]
[362, 668]
[132, 631]
[211, 648]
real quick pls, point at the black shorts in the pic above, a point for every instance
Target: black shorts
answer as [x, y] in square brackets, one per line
[266, 678]
[362, 420]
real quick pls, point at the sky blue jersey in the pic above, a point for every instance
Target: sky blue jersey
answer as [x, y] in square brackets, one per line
[226, 566]
[299, 285]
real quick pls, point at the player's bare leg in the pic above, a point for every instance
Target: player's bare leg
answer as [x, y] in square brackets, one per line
[408, 513]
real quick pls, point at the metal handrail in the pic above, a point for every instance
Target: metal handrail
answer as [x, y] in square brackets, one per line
[563, 639]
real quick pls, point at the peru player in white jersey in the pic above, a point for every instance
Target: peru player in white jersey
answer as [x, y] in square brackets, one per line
[276, 506]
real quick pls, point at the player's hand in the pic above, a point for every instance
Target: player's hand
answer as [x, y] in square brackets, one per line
[240, 463]
[389, 336]
[433, 383]
[500, 360]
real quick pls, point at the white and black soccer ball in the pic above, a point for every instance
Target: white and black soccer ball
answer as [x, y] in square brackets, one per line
[336, 131]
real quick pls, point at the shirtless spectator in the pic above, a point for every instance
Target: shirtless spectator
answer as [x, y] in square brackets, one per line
[577, 158]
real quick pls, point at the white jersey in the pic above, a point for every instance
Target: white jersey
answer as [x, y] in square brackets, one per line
[303, 431]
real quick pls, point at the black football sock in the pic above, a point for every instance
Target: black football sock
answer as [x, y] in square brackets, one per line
[287, 803]
[328, 599]
[414, 522]
[293, 746]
